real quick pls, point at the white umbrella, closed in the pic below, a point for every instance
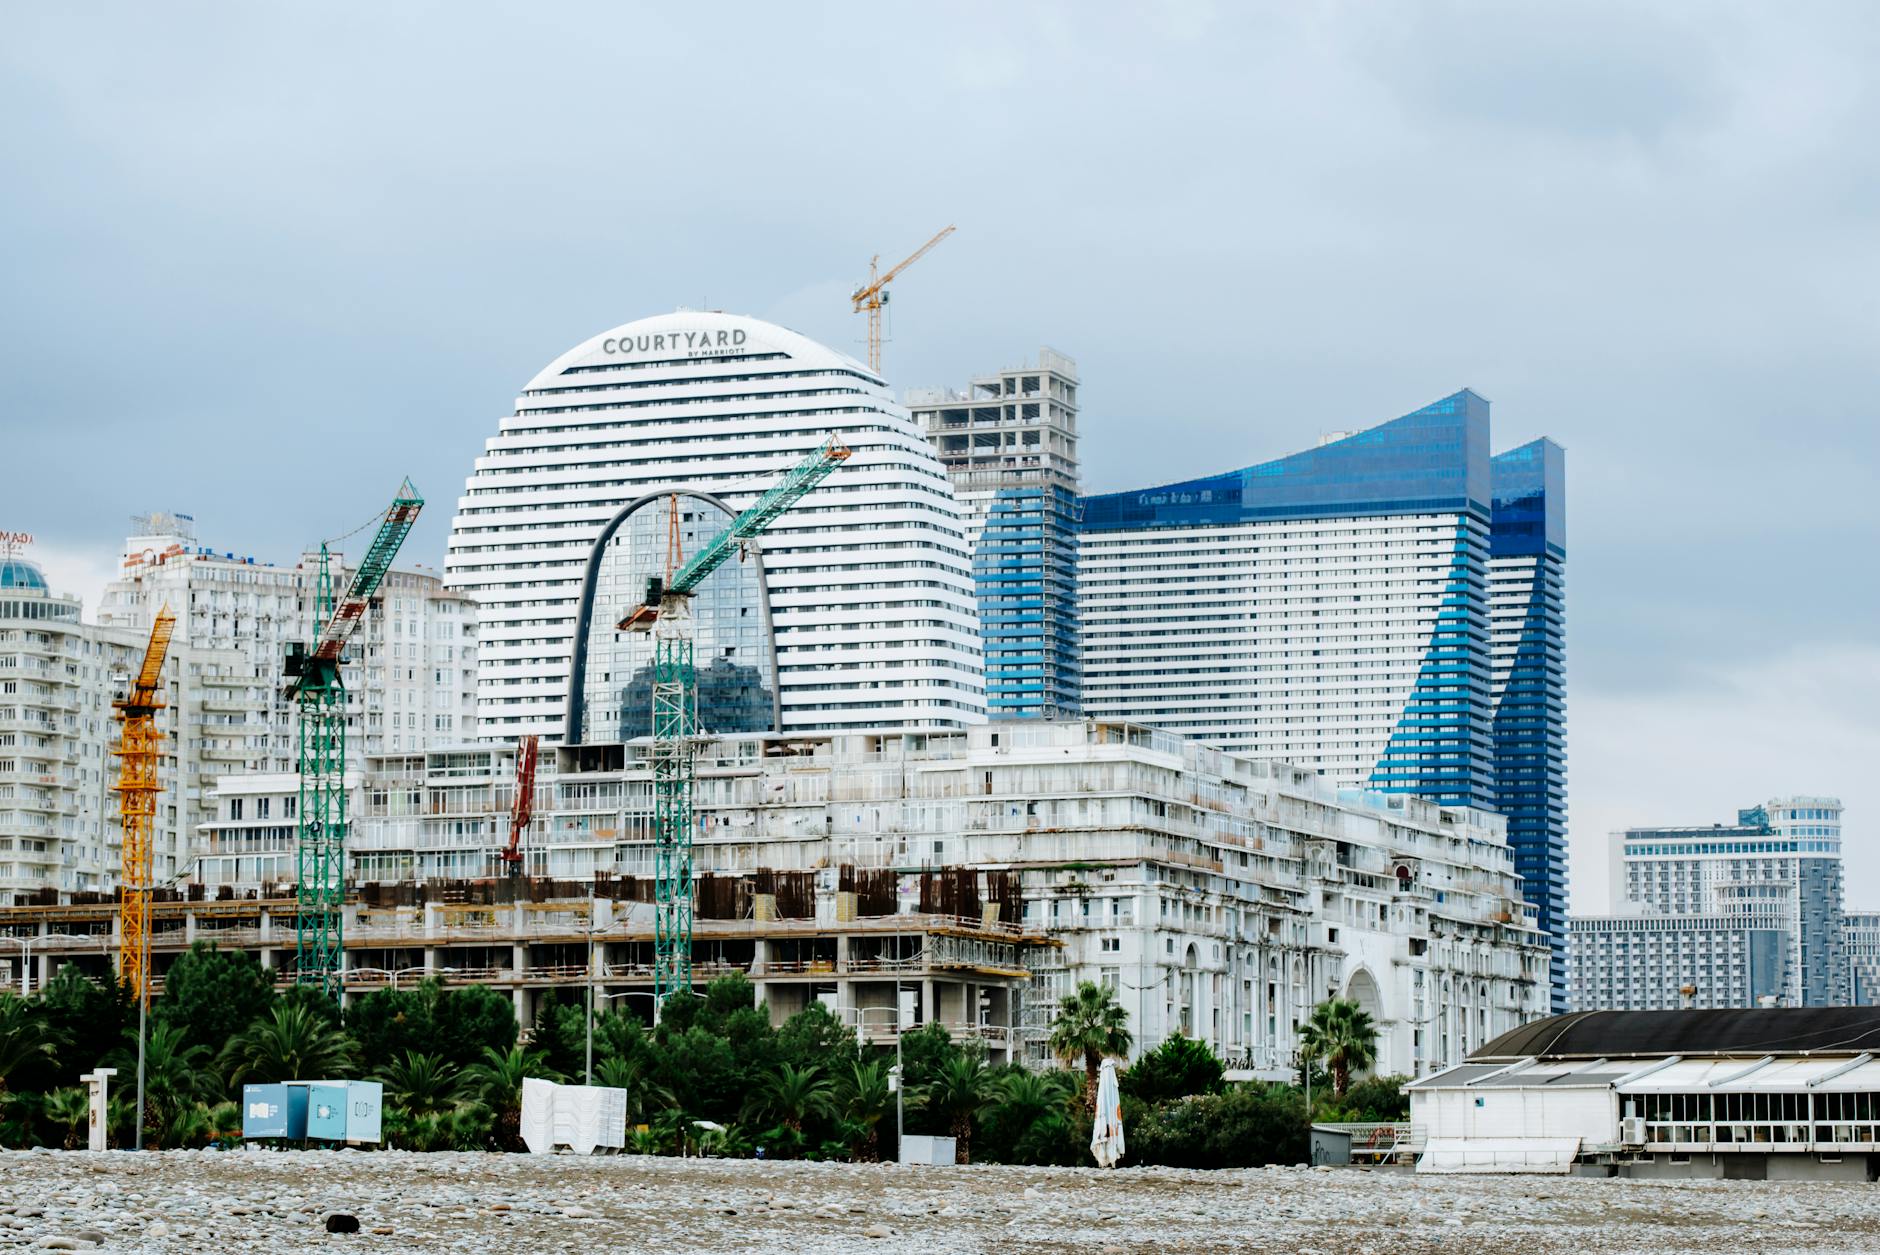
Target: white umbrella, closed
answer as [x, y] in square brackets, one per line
[1106, 1135]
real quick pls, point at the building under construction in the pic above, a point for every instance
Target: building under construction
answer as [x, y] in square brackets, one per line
[966, 877]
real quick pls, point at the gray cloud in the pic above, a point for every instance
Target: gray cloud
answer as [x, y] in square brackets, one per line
[262, 262]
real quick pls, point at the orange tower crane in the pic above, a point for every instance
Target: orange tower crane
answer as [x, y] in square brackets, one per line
[137, 790]
[871, 296]
[523, 808]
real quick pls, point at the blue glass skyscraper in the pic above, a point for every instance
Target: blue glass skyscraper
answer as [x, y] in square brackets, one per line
[1385, 607]
[1527, 596]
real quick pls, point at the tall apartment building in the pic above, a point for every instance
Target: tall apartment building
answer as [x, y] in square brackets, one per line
[409, 673]
[1385, 608]
[58, 812]
[1736, 912]
[1009, 444]
[867, 580]
[1861, 937]
[1220, 897]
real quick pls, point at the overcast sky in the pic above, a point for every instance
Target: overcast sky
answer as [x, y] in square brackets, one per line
[260, 261]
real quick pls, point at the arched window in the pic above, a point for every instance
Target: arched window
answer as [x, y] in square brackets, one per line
[610, 693]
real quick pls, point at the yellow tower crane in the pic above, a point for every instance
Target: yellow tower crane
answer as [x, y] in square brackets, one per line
[874, 294]
[137, 790]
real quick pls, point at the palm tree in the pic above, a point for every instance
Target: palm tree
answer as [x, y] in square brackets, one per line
[24, 1036]
[791, 1095]
[628, 1074]
[957, 1093]
[69, 1109]
[1341, 1033]
[496, 1082]
[422, 1085]
[865, 1098]
[289, 1043]
[177, 1074]
[1090, 1024]
[1031, 1111]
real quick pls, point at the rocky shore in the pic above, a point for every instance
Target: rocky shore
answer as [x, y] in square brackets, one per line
[256, 1200]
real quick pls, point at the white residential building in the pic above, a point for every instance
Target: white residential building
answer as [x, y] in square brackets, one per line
[1735, 913]
[868, 578]
[409, 673]
[1009, 443]
[1218, 897]
[59, 833]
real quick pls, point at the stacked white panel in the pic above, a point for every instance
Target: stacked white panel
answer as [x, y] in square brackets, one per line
[1296, 639]
[870, 577]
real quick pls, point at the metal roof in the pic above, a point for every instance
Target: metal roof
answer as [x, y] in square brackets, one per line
[1692, 1034]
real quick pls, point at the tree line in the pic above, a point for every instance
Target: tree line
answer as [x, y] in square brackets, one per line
[714, 1077]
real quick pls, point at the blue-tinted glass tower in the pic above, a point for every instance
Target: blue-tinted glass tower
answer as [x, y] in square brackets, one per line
[1025, 573]
[1527, 596]
[1009, 443]
[1385, 607]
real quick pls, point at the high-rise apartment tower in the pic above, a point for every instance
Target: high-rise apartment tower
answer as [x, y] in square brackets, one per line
[1385, 608]
[1009, 444]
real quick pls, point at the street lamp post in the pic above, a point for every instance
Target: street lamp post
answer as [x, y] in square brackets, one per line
[26, 945]
[897, 1075]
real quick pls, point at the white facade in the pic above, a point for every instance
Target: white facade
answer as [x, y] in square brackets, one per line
[1218, 897]
[1294, 639]
[1861, 936]
[1010, 429]
[58, 812]
[1736, 913]
[1751, 1105]
[869, 576]
[1668, 962]
[409, 671]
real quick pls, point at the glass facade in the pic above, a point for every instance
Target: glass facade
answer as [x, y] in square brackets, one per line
[1432, 461]
[1774, 876]
[1527, 582]
[1387, 607]
[1009, 443]
[1025, 572]
[737, 671]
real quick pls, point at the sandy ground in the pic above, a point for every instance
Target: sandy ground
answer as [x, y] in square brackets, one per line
[256, 1200]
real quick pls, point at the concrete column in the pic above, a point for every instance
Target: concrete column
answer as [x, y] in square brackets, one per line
[267, 927]
[189, 928]
[267, 958]
[929, 1012]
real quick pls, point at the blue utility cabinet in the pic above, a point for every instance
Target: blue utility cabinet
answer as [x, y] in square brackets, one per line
[274, 1111]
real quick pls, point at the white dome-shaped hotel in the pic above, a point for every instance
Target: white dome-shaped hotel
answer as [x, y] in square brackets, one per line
[857, 611]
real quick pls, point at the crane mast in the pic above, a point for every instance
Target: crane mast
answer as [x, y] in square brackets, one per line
[314, 683]
[137, 790]
[872, 296]
[667, 614]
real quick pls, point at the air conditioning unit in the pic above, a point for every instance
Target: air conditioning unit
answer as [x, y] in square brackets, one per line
[1632, 1131]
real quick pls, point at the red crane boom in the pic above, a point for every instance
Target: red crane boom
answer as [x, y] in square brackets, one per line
[524, 806]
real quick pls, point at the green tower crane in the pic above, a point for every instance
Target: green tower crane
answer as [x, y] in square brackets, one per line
[667, 614]
[313, 681]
